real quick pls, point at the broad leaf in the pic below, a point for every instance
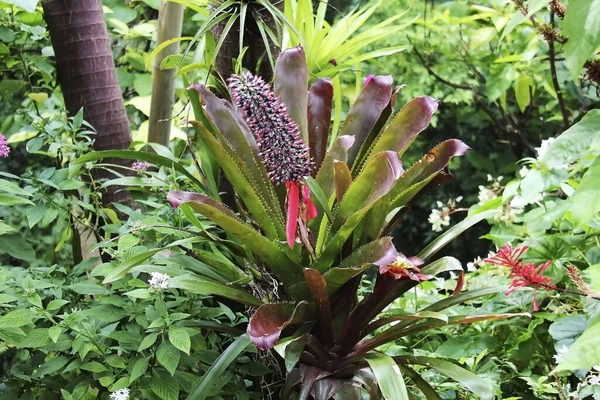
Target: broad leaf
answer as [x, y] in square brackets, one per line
[585, 352]
[366, 110]
[195, 284]
[586, 200]
[266, 324]
[580, 26]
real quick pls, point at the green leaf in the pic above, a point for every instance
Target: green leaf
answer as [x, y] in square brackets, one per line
[51, 366]
[180, 339]
[140, 156]
[54, 332]
[93, 366]
[168, 356]
[584, 353]
[479, 386]
[195, 284]
[148, 341]
[586, 200]
[204, 386]
[580, 26]
[88, 288]
[389, 377]
[441, 241]
[165, 387]
[15, 319]
[271, 253]
[27, 5]
[5, 229]
[11, 200]
[524, 87]
[139, 369]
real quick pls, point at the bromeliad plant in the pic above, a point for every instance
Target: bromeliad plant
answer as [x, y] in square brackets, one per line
[314, 221]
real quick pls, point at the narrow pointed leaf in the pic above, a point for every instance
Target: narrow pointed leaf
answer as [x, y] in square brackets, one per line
[366, 110]
[204, 387]
[318, 287]
[320, 99]
[198, 285]
[425, 388]
[267, 217]
[379, 252]
[324, 389]
[266, 324]
[321, 200]
[291, 85]
[479, 386]
[389, 377]
[271, 253]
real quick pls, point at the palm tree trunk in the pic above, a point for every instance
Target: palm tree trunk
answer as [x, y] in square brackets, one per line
[86, 73]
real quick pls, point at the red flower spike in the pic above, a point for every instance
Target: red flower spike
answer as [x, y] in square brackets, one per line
[522, 274]
[293, 201]
[405, 267]
[311, 209]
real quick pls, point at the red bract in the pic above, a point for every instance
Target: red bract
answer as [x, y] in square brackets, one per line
[522, 274]
[405, 267]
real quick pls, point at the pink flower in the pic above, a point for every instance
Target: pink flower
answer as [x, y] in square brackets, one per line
[141, 166]
[405, 267]
[523, 274]
[4, 149]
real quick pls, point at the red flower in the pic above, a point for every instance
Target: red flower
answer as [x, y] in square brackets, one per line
[522, 274]
[405, 267]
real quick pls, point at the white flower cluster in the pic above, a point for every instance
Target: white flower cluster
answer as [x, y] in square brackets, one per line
[473, 265]
[489, 193]
[159, 281]
[121, 394]
[543, 147]
[441, 217]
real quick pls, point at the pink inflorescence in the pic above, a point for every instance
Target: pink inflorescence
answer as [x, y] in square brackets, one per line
[523, 274]
[4, 149]
[141, 165]
[284, 153]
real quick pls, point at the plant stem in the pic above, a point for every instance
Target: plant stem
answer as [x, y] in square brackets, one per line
[552, 61]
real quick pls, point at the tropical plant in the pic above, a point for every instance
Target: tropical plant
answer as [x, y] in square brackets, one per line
[339, 205]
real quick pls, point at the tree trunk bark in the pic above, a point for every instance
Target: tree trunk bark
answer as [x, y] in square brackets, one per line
[170, 20]
[86, 73]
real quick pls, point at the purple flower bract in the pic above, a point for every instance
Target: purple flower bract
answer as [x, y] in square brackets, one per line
[283, 152]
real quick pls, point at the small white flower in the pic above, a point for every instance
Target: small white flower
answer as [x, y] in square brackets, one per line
[543, 147]
[437, 219]
[518, 203]
[472, 266]
[121, 394]
[560, 354]
[594, 380]
[439, 204]
[485, 194]
[459, 199]
[490, 178]
[596, 368]
[523, 171]
[159, 281]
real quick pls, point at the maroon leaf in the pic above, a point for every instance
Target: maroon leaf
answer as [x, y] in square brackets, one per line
[291, 85]
[459, 284]
[406, 125]
[309, 376]
[266, 324]
[318, 288]
[320, 98]
[324, 389]
[366, 110]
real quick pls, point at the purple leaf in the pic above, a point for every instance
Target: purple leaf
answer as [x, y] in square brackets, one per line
[270, 320]
[366, 110]
[320, 98]
[291, 85]
[318, 287]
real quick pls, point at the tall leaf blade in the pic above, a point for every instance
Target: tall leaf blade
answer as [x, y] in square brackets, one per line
[389, 377]
[272, 254]
[320, 103]
[291, 85]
